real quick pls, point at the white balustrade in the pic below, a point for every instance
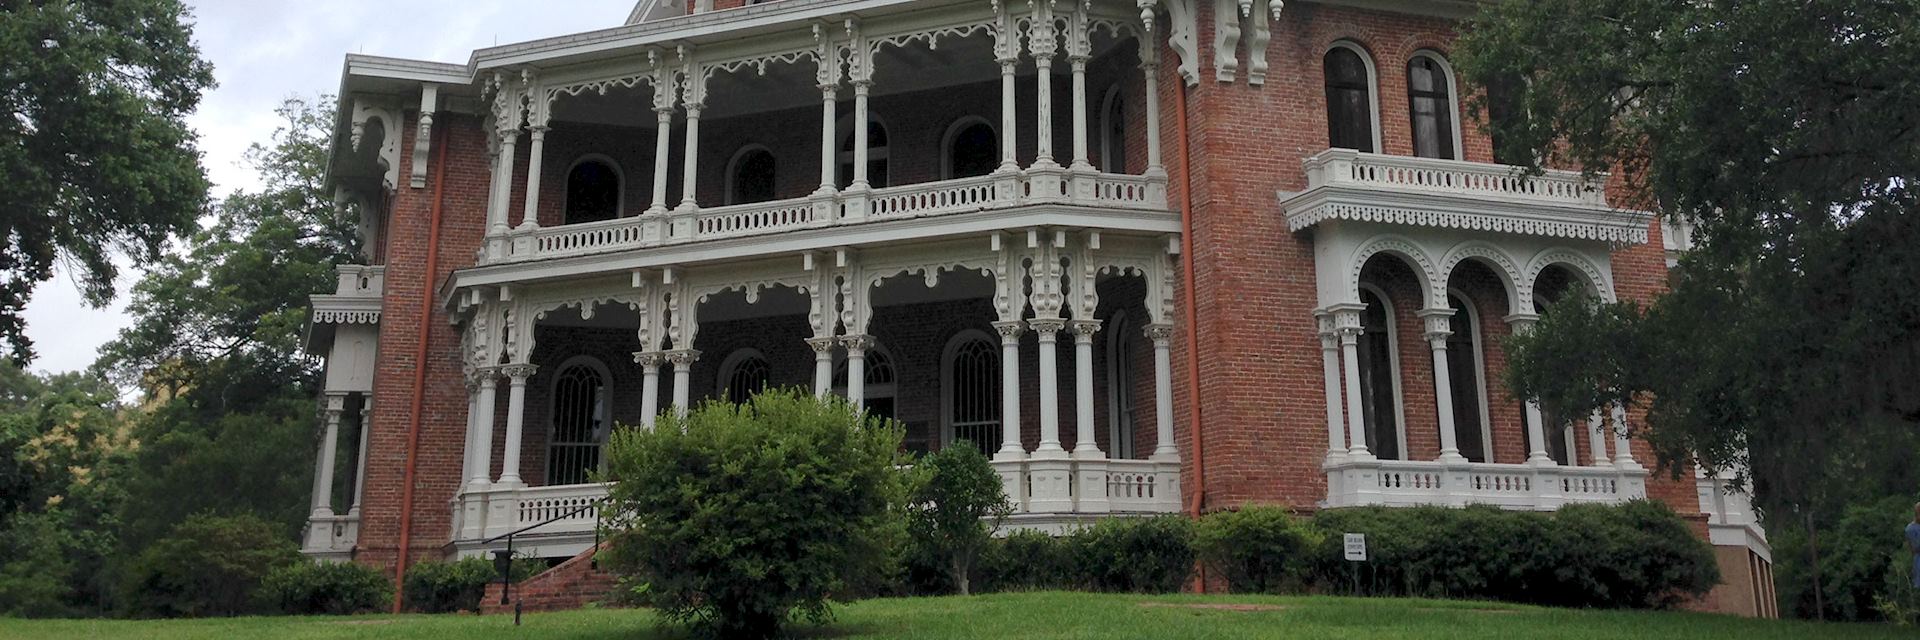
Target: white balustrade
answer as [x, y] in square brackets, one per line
[1346, 167]
[946, 197]
[1132, 486]
[1512, 486]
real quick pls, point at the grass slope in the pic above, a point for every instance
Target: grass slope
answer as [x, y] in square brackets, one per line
[1029, 615]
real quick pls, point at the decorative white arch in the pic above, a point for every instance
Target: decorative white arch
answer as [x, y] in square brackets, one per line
[952, 132]
[1406, 250]
[1503, 265]
[1453, 98]
[619, 176]
[1373, 84]
[1596, 278]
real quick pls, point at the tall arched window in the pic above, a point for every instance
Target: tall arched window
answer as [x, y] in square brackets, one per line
[593, 191]
[973, 149]
[1379, 376]
[876, 152]
[1430, 98]
[1554, 284]
[580, 421]
[880, 381]
[1350, 107]
[1113, 133]
[971, 374]
[1466, 374]
[750, 176]
[743, 374]
[1119, 386]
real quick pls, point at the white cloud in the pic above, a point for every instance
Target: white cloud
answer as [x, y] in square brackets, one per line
[263, 52]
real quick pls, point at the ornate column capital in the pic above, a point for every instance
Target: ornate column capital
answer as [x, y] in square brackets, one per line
[1046, 327]
[856, 343]
[1522, 322]
[683, 357]
[518, 372]
[1159, 333]
[1346, 319]
[823, 345]
[1439, 325]
[648, 359]
[1009, 329]
[1083, 330]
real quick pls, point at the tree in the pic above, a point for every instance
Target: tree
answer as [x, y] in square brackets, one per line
[739, 517]
[95, 154]
[1788, 135]
[956, 503]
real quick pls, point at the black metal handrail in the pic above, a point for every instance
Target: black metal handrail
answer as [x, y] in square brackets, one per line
[503, 559]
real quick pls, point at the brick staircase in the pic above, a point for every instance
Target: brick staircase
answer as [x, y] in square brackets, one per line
[568, 585]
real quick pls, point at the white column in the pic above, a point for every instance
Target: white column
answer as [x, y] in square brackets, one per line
[360, 465]
[1330, 370]
[1010, 447]
[661, 142]
[857, 346]
[1084, 445]
[1080, 161]
[517, 375]
[1622, 448]
[649, 362]
[509, 160]
[487, 404]
[1347, 321]
[1043, 43]
[860, 132]
[690, 167]
[468, 457]
[1597, 439]
[329, 446]
[1536, 431]
[530, 217]
[1150, 91]
[829, 154]
[1009, 119]
[1439, 328]
[1162, 336]
[1047, 331]
[822, 364]
[682, 360]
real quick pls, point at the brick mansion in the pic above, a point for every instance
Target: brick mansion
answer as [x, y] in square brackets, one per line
[1149, 256]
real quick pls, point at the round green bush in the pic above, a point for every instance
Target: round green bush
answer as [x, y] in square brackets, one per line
[332, 588]
[1026, 560]
[1135, 555]
[1256, 549]
[206, 566]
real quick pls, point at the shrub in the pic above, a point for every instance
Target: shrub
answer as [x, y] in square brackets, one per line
[1638, 554]
[1857, 552]
[1256, 549]
[436, 586]
[956, 502]
[741, 517]
[1026, 560]
[1135, 555]
[336, 588]
[206, 566]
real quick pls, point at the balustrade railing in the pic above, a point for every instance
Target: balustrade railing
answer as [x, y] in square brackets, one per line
[1346, 167]
[946, 197]
[1513, 486]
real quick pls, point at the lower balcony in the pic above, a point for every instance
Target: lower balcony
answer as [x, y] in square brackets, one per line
[1531, 487]
[1049, 495]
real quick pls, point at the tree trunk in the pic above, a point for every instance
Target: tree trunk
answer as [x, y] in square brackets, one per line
[1813, 549]
[960, 574]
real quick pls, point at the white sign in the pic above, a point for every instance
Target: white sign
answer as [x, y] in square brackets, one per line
[1357, 547]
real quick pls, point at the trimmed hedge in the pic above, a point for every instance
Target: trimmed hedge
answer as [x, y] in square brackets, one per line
[1130, 555]
[1634, 555]
[1257, 549]
[435, 586]
[334, 588]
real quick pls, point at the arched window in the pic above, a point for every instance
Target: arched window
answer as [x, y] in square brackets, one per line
[593, 190]
[971, 377]
[1466, 374]
[743, 374]
[580, 420]
[1113, 133]
[973, 149]
[750, 176]
[880, 381]
[876, 152]
[1379, 376]
[1350, 105]
[1430, 97]
[1119, 387]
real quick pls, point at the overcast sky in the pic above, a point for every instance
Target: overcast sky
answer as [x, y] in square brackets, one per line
[265, 50]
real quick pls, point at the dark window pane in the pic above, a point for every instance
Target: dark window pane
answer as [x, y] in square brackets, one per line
[1463, 374]
[593, 193]
[753, 177]
[1431, 107]
[1349, 109]
[976, 151]
[1379, 408]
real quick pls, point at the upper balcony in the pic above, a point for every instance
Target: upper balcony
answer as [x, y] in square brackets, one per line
[1344, 184]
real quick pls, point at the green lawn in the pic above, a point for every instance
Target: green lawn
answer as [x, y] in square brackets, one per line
[1030, 615]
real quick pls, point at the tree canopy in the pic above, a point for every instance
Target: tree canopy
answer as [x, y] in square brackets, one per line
[1787, 134]
[95, 156]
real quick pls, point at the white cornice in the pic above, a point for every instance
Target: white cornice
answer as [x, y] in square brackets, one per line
[1466, 213]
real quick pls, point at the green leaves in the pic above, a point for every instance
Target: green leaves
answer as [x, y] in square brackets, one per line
[955, 504]
[95, 154]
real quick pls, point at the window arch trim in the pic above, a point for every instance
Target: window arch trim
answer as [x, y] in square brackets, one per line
[733, 170]
[607, 395]
[952, 135]
[1120, 376]
[619, 184]
[731, 366]
[1453, 97]
[1113, 156]
[1373, 85]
